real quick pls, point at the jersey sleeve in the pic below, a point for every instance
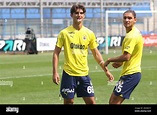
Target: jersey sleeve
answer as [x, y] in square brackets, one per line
[93, 44]
[60, 40]
[129, 45]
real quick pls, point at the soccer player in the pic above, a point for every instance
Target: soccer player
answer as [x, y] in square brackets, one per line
[76, 40]
[130, 60]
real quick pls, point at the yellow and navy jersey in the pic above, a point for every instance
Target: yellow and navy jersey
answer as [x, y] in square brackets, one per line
[76, 44]
[133, 44]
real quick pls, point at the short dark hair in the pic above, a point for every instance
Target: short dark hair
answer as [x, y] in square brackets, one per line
[77, 6]
[130, 11]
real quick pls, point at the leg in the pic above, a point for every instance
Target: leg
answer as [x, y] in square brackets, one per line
[125, 87]
[67, 88]
[85, 90]
[68, 101]
[89, 100]
[116, 99]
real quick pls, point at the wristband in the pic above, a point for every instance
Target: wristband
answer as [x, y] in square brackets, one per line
[101, 62]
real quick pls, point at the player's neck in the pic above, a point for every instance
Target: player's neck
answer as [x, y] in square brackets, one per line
[128, 29]
[77, 26]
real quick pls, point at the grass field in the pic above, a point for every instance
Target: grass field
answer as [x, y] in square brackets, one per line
[26, 79]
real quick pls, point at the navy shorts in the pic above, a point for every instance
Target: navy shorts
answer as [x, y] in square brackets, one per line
[126, 85]
[79, 85]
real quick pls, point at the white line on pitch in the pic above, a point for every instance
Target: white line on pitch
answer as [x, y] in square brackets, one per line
[41, 75]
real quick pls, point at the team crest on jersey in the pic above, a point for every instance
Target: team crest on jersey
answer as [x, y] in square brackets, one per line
[84, 37]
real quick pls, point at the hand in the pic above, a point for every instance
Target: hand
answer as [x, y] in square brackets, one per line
[117, 64]
[56, 78]
[110, 76]
[106, 63]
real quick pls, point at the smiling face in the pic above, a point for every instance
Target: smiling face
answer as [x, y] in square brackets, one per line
[78, 13]
[78, 16]
[129, 19]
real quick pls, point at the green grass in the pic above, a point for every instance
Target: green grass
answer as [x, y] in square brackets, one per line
[31, 76]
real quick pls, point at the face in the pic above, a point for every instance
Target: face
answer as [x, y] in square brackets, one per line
[128, 20]
[78, 16]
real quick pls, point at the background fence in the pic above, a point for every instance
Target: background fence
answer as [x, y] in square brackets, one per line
[16, 28]
[47, 18]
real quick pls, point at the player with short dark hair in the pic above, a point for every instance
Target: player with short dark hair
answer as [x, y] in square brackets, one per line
[130, 60]
[76, 40]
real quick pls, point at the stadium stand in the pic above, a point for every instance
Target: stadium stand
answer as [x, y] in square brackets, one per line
[54, 15]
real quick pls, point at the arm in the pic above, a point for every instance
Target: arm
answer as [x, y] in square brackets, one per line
[100, 61]
[119, 60]
[55, 59]
[117, 64]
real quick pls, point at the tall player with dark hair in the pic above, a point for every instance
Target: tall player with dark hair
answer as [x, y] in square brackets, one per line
[76, 40]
